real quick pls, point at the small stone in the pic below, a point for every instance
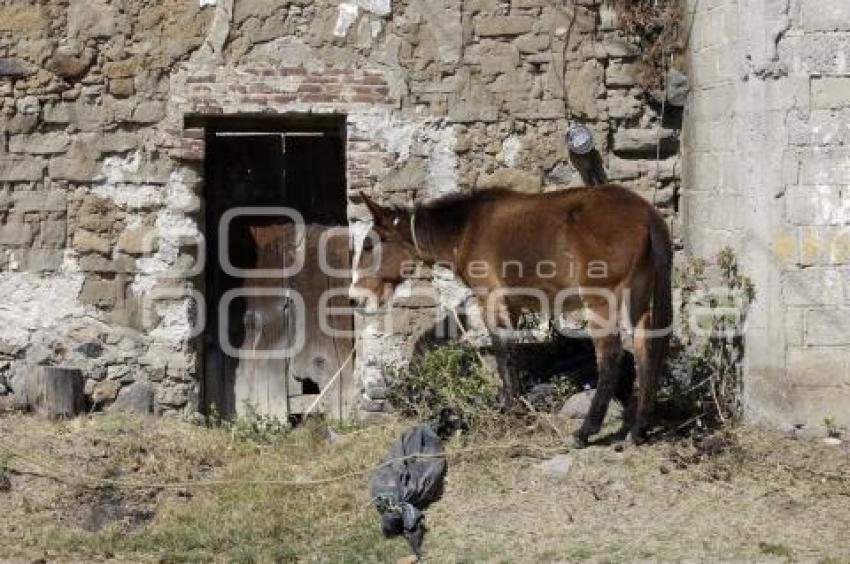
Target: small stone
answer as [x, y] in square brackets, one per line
[563, 173]
[149, 112]
[40, 143]
[558, 466]
[512, 178]
[87, 241]
[105, 391]
[121, 69]
[577, 405]
[135, 398]
[490, 26]
[28, 105]
[174, 397]
[372, 406]
[16, 169]
[43, 260]
[69, 64]
[14, 67]
[101, 293]
[677, 88]
[122, 87]
[91, 18]
[832, 441]
[645, 140]
[91, 349]
[138, 241]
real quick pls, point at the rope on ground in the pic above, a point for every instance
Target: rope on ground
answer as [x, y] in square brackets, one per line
[84, 480]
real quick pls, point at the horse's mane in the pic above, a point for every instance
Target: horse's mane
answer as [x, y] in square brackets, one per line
[459, 199]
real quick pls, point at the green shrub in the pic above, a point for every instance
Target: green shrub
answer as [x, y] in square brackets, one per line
[250, 426]
[450, 377]
[705, 377]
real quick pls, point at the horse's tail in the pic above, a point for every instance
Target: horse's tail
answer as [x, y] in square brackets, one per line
[661, 309]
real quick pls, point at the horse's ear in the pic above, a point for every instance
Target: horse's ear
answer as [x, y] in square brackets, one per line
[383, 218]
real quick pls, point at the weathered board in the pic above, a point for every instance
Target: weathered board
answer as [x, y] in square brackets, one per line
[54, 392]
[268, 378]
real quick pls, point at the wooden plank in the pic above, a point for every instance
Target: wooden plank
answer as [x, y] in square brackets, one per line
[268, 327]
[323, 355]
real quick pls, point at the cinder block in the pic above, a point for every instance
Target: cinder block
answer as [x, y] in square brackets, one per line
[830, 92]
[794, 326]
[713, 103]
[829, 327]
[816, 205]
[817, 366]
[825, 15]
[818, 127]
[716, 211]
[824, 246]
[815, 286]
[825, 166]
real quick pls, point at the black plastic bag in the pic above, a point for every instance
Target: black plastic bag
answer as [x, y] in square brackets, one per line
[411, 479]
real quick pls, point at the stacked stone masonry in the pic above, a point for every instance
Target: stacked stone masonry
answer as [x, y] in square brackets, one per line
[101, 181]
[767, 169]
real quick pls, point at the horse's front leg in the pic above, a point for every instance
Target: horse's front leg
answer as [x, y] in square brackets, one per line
[507, 370]
[498, 321]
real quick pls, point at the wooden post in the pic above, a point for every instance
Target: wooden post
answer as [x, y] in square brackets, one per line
[590, 167]
[54, 392]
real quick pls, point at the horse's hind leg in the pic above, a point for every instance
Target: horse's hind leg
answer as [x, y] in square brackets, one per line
[647, 379]
[609, 349]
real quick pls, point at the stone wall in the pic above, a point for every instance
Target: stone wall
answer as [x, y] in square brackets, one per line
[767, 170]
[101, 183]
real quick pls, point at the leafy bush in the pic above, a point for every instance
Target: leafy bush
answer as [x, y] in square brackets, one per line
[450, 377]
[251, 426]
[705, 376]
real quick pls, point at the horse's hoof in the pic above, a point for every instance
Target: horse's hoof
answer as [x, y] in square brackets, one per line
[636, 438]
[576, 441]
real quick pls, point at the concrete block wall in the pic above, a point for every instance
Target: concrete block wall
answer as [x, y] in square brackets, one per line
[767, 170]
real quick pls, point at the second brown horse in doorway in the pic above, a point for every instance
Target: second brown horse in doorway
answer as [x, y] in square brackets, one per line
[602, 249]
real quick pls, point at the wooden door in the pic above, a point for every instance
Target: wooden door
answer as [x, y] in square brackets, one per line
[274, 315]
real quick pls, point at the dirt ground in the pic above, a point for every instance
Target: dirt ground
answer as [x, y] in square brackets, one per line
[109, 487]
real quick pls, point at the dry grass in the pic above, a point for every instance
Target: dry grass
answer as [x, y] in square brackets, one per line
[752, 496]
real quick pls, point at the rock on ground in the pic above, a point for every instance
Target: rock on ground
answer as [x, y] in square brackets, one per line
[558, 466]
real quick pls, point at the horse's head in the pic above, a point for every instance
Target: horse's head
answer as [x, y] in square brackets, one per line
[385, 257]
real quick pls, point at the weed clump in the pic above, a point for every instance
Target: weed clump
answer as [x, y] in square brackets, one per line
[251, 426]
[660, 26]
[447, 381]
[704, 381]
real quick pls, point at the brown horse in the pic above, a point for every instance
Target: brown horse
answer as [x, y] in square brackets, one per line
[604, 249]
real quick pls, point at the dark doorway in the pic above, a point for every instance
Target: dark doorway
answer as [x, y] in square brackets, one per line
[292, 163]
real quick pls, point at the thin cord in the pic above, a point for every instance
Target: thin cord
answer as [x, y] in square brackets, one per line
[84, 480]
